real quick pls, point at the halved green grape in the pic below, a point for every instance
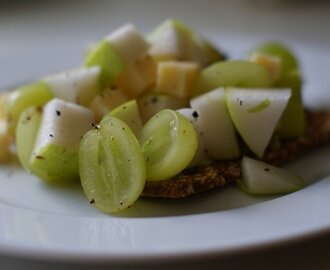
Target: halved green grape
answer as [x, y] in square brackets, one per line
[112, 167]
[231, 73]
[34, 94]
[169, 143]
[26, 134]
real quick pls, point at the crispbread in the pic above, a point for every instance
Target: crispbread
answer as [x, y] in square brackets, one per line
[221, 173]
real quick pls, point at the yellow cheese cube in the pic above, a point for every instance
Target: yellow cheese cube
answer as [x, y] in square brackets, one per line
[271, 63]
[176, 78]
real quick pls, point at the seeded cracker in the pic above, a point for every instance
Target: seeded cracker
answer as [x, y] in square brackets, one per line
[221, 173]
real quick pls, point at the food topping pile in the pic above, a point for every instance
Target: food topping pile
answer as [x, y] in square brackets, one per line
[145, 108]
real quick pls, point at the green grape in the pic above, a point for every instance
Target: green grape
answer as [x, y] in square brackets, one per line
[169, 143]
[292, 123]
[231, 73]
[128, 113]
[26, 134]
[34, 94]
[288, 60]
[111, 165]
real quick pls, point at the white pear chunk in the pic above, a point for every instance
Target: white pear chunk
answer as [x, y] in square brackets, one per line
[260, 178]
[54, 156]
[4, 142]
[255, 113]
[219, 132]
[151, 104]
[78, 85]
[128, 42]
[193, 117]
[128, 113]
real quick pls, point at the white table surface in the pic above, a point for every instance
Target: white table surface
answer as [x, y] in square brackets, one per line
[60, 29]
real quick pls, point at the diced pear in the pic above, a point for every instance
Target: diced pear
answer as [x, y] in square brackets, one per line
[4, 142]
[259, 178]
[176, 78]
[128, 42]
[137, 77]
[234, 73]
[128, 113]
[193, 117]
[119, 49]
[214, 120]
[54, 157]
[109, 61]
[79, 85]
[151, 104]
[34, 94]
[172, 40]
[255, 113]
[107, 101]
[209, 51]
[271, 63]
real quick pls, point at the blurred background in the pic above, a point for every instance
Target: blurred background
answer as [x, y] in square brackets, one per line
[38, 37]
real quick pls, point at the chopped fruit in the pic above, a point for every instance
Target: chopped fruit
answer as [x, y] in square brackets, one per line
[255, 113]
[231, 73]
[79, 85]
[136, 78]
[128, 113]
[270, 62]
[200, 154]
[214, 120]
[4, 142]
[169, 143]
[109, 99]
[293, 122]
[176, 78]
[109, 61]
[259, 178]
[151, 104]
[34, 94]
[48, 142]
[111, 165]
[129, 43]
[172, 40]
[118, 50]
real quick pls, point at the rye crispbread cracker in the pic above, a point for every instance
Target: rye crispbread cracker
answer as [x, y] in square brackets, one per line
[220, 173]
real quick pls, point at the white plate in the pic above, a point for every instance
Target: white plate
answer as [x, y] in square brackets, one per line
[40, 221]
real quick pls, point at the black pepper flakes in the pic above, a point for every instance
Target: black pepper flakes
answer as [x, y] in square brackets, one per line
[40, 157]
[195, 114]
[154, 99]
[58, 113]
[240, 102]
[95, 126]
[51, 135]
[92, 201]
